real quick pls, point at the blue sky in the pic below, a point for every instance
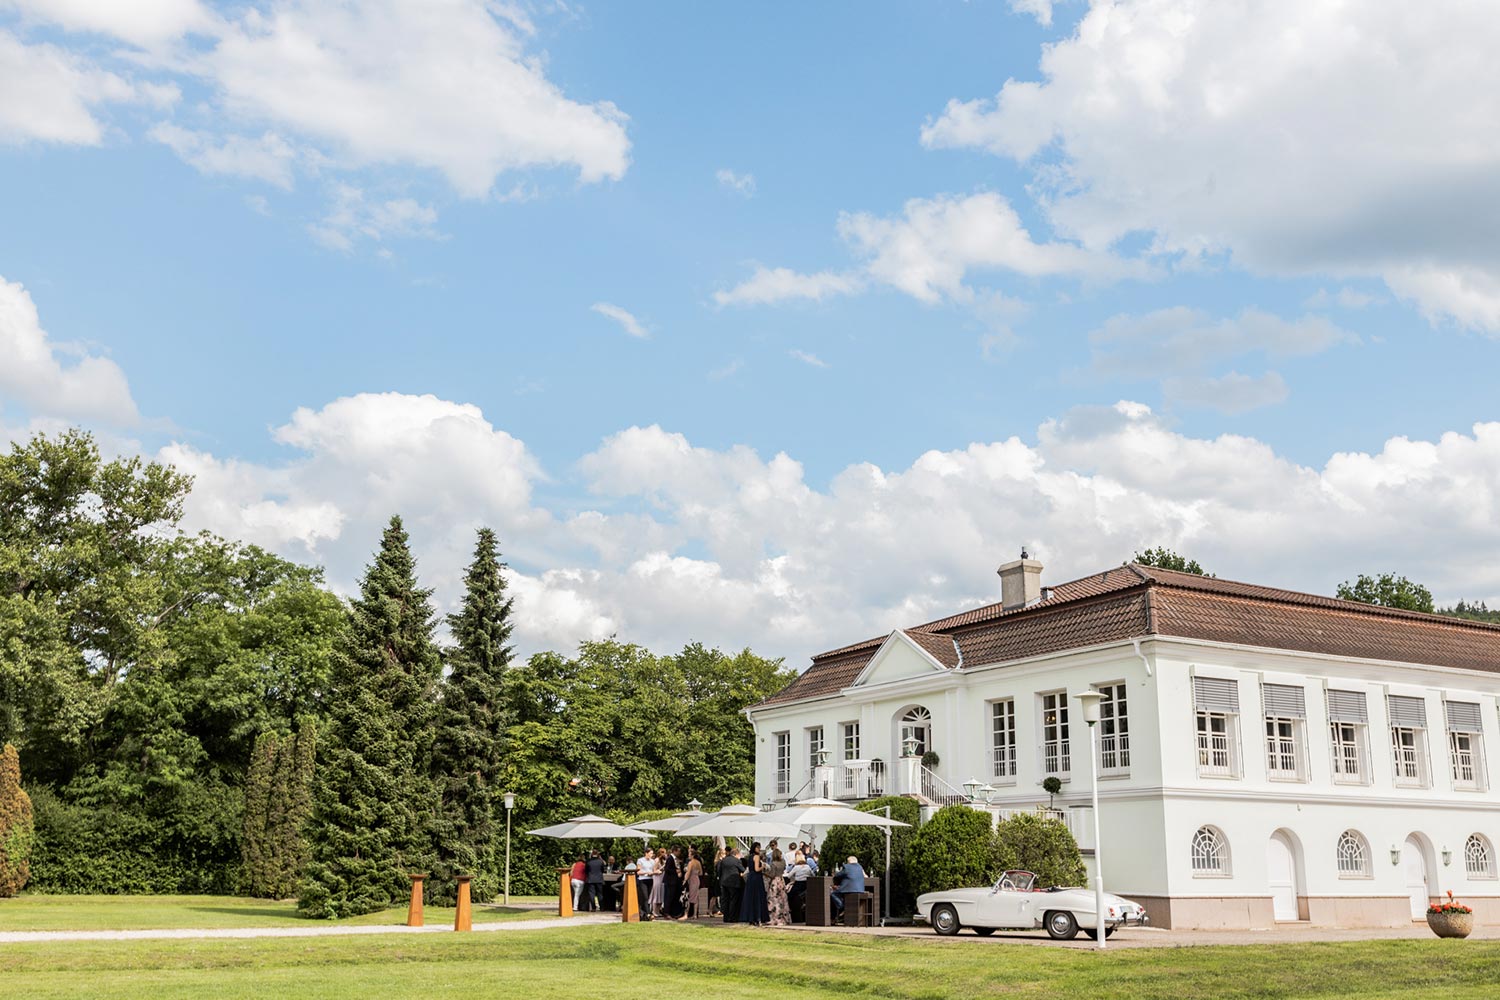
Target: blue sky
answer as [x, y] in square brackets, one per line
[778, 325]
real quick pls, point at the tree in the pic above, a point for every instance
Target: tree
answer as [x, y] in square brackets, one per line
[16, 830]
[468, 757]
[1164, 558]
[373, 791]
[1474, 611]
[1387, 591]
[955, 848]
[278, 800]
[868, 844]
[1043, 846]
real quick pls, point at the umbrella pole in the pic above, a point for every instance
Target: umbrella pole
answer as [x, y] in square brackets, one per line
[885, 911]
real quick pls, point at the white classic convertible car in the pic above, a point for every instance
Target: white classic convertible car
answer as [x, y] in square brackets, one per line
[1015, 903]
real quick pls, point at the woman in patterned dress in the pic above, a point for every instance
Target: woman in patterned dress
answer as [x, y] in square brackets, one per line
[777, 905]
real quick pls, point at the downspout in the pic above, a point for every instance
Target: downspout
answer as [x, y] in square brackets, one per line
[1136, 642]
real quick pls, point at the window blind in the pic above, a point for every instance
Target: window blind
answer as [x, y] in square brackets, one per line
[1347, 706]
[1463, 716]
[1408, 713]
[1211, 694]
[1284, 701]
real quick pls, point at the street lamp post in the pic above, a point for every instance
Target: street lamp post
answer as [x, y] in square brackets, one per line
[510, 803]
[1088, 703]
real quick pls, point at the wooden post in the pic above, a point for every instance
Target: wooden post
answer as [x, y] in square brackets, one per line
[463, 917]
[565, 891]
[630, 903]
[414, 908]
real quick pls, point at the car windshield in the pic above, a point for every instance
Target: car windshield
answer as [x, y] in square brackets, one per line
[1017, 881]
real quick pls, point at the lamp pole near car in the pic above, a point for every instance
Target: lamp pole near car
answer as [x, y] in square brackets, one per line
[510, 803]
[1088, 702]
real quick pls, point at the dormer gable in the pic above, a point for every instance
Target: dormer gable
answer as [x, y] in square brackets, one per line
[904, 655]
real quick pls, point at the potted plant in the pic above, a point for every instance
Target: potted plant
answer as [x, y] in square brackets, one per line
[1052, 784]
[1450, 918]
[931, 760]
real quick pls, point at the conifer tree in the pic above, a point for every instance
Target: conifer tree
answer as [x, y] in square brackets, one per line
[255, 847]
[470, 744]
[373, 795]
[16, 829]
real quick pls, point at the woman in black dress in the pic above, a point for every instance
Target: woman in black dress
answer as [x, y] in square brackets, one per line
[672, 884]
[753, 904]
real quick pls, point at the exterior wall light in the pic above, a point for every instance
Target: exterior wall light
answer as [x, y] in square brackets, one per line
[1447, 856]
[1395, 855]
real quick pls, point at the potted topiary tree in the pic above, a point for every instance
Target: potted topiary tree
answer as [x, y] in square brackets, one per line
[1052, 784]
[931, 760]
[1450, 918]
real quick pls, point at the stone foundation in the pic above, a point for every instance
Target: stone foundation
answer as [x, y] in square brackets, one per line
[1238, 913]
[1358, 911]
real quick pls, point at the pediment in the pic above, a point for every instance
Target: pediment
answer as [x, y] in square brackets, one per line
[898, 658]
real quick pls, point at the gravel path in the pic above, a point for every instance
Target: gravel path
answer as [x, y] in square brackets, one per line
[19, 937]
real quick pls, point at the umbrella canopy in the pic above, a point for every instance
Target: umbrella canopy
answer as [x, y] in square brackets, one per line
[744, 822]
[672, 823]
[822, 813]
[588, 827]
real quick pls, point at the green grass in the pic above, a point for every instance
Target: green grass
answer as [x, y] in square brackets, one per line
[122, 913]
[652, 961]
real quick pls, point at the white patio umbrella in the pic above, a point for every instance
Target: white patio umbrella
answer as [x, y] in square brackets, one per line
[672, 823]
[744, 822]
[588, 827]
[823, 813]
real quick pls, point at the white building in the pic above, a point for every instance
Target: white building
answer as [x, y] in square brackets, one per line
[1264, 755]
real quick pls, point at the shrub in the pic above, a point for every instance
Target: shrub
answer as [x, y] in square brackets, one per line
[955, 848]
[1043, 846]
[868, 844]
[17, 830]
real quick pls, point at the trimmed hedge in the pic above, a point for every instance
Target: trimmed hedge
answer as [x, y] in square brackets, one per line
[1043, 846]
[953, 849]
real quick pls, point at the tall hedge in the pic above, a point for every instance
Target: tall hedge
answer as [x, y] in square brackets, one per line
[17, 832]
[953, 849]
[1043, 846]
[868, 844]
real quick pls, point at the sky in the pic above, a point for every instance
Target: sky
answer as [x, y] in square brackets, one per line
[774, 325]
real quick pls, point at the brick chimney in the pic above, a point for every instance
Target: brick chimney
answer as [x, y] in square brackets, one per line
[1020, 582]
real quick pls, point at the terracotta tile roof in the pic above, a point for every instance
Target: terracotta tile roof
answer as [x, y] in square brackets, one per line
[1131, 600]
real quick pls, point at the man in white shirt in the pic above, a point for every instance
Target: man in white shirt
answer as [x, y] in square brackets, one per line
[645, 878]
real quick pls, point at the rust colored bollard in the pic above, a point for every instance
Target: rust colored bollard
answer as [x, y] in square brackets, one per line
[414, 908]
[463, 917]
[565, 891]
[630, 903]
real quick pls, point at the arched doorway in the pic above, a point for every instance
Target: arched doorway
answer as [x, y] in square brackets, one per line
[1418, 875]
[916, 723]
[1281, 876]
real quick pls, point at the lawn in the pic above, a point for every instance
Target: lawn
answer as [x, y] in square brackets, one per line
[123, 913]
[671, 960]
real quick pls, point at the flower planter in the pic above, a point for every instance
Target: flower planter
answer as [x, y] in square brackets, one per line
[1451, 925]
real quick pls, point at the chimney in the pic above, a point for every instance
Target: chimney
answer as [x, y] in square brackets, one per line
[1020, 582]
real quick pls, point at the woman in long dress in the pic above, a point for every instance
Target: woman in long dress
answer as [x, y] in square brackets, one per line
[672, 884]
[658, 883]
[753, 903]
[692, 882]
[777, 907]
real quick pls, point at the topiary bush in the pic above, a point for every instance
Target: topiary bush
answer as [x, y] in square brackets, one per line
[868, 844]
[17, 832]
[955, 848]
[1042, 846]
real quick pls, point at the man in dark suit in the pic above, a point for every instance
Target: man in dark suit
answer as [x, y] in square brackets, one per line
[731, 873]
[851, 878]
[593, 881]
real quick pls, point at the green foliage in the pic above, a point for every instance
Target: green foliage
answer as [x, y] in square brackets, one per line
[278, 800]
[1388, 591]
[470, 750]
[868, 844]
[955, 848]
[17, 830]
[931, 760]
[1474, 611]
[373, 796]
[1164, 558]
[1040, 845]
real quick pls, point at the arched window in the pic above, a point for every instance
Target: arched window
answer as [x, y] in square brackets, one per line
[1353, 855]
[1210, 852]
[917, 724]
[1479, 857]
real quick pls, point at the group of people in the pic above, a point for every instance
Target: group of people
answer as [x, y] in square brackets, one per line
[589, 883]
[668, 882]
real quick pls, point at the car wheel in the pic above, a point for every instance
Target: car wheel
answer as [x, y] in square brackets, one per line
[1109, 932]
[984, 931]
[1061, 926]
[945, 920]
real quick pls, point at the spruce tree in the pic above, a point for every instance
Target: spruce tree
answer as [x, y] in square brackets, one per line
[468, 754]
[255, 846]
[373, 794]
[17, 833]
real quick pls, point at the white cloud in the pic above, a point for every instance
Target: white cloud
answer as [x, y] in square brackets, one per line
[627, 321]
[269, 158]
[727, 370]
[352, 217]
[1318, 137]
[1181, 339]
[808, 358]
[145, 23]
[768, 286]
[1230, 393]
[1039, 9]
[739, 183]
[1344, 298]
[51, 94]
[33, 373]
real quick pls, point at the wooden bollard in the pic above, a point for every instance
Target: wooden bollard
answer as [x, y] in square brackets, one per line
[463, 917]
[630, 903]
[414, 908]
[565, 891]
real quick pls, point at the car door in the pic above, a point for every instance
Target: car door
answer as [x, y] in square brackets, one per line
[1005, 909]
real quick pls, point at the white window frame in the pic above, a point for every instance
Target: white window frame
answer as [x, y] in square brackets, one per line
[1003, 762]
[1219, 857]
[1352, 856]
[1114, 729]
[849, 747]
[1466, 751]
[816, 744]
[783, 759]
[1207, 749]
[1056, 751]
[1479, 864]
[917, 722]
[1343, 751]
[1286, 742]
[1407, 758]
